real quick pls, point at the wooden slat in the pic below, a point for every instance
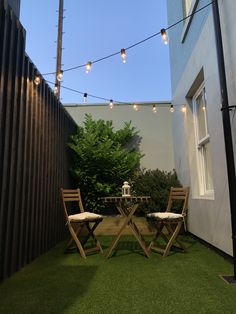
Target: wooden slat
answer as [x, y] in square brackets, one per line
[9, 159]
[17, 144]
[4, 61]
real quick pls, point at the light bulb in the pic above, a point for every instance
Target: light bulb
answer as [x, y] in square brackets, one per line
[123, 55]
[183, 109]
[135, 107]
[111, 105]
[60, 75]
[88, 66]
[154, 108]
[172, 108]
[85, 97]
[55, 89]
[37, 80]
[164, 36]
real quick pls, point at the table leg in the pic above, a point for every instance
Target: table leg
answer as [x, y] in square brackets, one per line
[139, 237]
[127, 219]
[129, 222]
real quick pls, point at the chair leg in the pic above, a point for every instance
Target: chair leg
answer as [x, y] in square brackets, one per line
[91, 234]
[74, 236]
[77, 232]
[159, 227]
[171, 231]
[172, 239]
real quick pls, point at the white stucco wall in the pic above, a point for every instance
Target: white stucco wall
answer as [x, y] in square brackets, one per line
[209, 219]
[155, 129]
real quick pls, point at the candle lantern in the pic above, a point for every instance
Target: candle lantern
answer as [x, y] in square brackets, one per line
[126, 189]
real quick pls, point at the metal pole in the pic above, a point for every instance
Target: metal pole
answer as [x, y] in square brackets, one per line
[226, 126]
[59, 45]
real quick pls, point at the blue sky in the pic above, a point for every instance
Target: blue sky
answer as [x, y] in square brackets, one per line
[95, 29]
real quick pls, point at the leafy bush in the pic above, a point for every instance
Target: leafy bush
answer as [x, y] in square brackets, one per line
[157, 184]
[102, 159]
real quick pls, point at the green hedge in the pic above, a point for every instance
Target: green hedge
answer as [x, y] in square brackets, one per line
[101, 159]
[157, 184]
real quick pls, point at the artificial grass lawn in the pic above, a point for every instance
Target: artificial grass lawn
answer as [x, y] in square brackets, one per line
[128, 282]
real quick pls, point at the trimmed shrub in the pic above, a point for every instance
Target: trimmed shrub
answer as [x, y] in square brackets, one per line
[101, 159]
[157, 184]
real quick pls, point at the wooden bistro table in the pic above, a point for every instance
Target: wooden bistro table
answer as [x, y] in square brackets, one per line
[127, 206]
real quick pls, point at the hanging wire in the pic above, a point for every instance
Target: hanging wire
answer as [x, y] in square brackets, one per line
[85, 95]
[135, 44]
[112, 102]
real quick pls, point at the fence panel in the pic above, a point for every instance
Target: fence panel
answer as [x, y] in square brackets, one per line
[33, 158]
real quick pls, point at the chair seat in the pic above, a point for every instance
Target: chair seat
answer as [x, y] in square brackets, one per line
[85, 216]
[164, 215]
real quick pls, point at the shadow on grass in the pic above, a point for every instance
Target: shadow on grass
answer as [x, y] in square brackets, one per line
[127, 248]
[46, 290]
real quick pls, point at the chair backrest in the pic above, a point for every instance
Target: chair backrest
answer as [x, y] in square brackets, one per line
[71, 196]
[178, 194]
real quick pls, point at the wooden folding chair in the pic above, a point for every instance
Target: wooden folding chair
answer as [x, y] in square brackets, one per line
[170, 222]
[76, 222]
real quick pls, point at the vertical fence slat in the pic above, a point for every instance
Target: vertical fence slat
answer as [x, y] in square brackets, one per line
[8, 157]
[15, 184]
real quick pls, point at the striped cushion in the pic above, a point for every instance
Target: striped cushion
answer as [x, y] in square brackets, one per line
[84, 217]
[165, 215]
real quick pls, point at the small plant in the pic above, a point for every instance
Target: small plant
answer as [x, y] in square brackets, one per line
[101, 159]
[157, 184]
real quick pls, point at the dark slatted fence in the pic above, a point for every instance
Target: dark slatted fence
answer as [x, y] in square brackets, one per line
[34, 130]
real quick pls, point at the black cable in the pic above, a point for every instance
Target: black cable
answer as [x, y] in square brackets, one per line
[90, 95]
[137, 43]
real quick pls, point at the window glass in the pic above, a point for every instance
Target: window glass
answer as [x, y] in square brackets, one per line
[201, 116]
[202, 140]
[207, 166]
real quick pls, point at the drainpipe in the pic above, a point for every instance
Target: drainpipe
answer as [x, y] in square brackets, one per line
[227, 130]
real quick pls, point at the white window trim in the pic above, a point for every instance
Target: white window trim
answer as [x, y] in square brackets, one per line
[188, 21]
[203, 192]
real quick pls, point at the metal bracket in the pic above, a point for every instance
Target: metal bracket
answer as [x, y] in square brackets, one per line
[228, 108]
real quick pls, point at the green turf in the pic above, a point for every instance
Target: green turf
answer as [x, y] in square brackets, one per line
[128, 282]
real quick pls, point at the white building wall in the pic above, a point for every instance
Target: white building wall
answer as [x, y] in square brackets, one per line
[155, 129]
[209, 219]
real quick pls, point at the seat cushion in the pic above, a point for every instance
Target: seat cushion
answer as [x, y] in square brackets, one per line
[85, 216]
[165, 215]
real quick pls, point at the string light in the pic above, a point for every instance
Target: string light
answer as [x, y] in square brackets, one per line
[183, 108]
[85, 97]
[164, 36]
[60, 75]
[137, 43]
[56, 89]
[154, 108]
[123, 55]
[88, 66]
[37, 79]
[135, 107]
[111, 105]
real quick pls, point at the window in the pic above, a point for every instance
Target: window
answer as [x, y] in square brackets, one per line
[202, 142]
[187, 6]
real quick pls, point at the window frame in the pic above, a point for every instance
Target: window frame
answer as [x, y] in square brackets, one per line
[200, 145]
[188, 21]
[185, 5]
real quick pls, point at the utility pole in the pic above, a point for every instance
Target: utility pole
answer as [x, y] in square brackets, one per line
[59, 72]
[227, 131]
